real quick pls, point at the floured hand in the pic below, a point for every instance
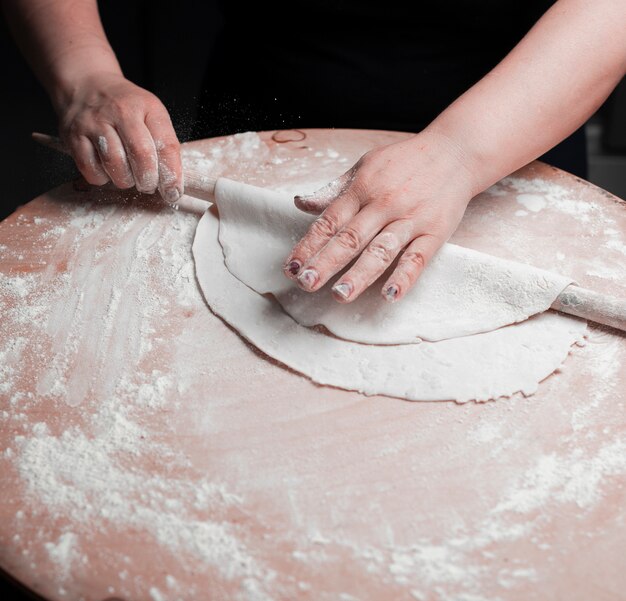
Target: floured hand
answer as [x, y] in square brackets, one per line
[405, 199]
[120, 132]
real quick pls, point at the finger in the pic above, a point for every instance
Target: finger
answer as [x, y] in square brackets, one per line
[171, 184]
[344, 208]
[113, 158]
[87, 160]
[344, 246]
[321, 199]
[142, 155]
[410, 265]
[374, 260]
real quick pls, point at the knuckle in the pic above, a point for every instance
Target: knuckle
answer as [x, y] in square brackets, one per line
[325, 226]
[349, 238]
[142, 150]
[111, 160]
[82, 162]
[413, 259]
[386, 200]
[124, 107]
[152, 100]
[168, 146]
[380, 252]
[75, 129]
[359, 188]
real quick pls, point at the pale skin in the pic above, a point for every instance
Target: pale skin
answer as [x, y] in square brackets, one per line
[399, 202]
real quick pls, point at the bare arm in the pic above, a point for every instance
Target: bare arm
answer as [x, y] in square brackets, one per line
[407, 198]
[546, 88]
[116, 130]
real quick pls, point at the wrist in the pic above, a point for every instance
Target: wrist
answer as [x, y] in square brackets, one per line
[484, 161]
[68, 77]
[450, 160]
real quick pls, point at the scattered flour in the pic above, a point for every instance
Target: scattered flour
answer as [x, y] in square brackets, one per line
[533, 202]
[249, 149]
[101, 473]
[575, 478]
[536, 194]
[64, 553]
[616, 245]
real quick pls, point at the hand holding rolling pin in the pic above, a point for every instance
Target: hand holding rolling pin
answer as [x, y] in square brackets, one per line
[114, 129]
[120, 132]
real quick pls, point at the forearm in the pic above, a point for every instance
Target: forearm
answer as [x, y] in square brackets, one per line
[63, 41]
[546, 88]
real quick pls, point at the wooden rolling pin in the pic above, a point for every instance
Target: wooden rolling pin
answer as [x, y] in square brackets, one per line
[196, 184]
[574, 300]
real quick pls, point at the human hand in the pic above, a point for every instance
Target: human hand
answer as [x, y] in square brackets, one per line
[120, 132]
[404, 199]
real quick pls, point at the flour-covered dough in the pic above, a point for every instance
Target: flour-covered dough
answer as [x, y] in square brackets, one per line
[461, 292]
[481, 366]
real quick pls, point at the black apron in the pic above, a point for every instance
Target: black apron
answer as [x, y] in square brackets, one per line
[357, 64]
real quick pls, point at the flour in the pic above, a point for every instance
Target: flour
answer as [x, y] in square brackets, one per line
[17, 287]
[248, 149]
[90, 477]
[64, 553]
[616, 245]
[575, 478]
[103, 145]
[603, 270]
[99, 473]
[451, 565]
[156, 594]
[240, 148]
[536, 194]
[532, 202]
[196, 160]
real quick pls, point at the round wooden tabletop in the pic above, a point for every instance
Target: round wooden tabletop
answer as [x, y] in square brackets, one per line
[148, 453]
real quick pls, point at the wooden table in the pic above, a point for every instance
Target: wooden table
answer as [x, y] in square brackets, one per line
[148, 453]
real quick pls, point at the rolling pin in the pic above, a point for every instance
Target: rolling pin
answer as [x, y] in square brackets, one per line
[197, 185]
[573, 300]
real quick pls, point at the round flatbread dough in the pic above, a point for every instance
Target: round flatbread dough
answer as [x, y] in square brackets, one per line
[482, 366]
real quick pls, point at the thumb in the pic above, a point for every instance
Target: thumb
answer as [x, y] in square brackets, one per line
[319, 200]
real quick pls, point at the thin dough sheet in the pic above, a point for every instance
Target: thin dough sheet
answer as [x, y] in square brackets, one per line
[482, 366]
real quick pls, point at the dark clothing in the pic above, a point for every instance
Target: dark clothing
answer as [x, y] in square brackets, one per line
[354, 64]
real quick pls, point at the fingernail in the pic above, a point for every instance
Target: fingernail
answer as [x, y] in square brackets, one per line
[293, 267]
[172, 195]
[306, 203]
[308, 278]
[344, 289]
[391, 293]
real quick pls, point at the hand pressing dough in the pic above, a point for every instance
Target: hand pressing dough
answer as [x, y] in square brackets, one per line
[482, 366]
[461, 292]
